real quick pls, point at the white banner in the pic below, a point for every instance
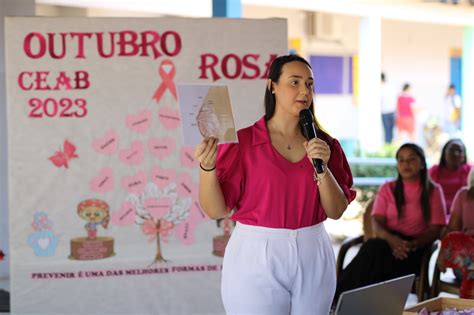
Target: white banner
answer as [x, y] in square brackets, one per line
[104, 214]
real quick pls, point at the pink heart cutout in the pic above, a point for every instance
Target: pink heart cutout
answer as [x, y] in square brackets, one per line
[44, 242]
[162, 177]
[139, 122]
[185, 232]
[157, 207]
[169, 117]
[125, 215]
[161, 147]
[186, 157]
[103, 182]
[107, 144]
[133, 155]
[185, 186]
[134, 184]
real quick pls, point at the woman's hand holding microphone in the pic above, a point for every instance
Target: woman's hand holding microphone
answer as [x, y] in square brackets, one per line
[318, 149]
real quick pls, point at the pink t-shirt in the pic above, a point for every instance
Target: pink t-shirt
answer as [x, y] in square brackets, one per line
[404, 106]
[268, 190]
[411, 222]
[464, 206]
[450, 181]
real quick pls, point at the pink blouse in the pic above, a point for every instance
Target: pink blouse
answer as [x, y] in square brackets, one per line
[464, 206]
[268, 190]
[450, 181]
[411, 223]
[404, 106]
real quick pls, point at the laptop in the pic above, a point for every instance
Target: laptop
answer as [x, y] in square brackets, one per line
[388, 298]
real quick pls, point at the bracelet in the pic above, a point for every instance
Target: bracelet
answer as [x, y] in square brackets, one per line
[205, 169]
[318, 178]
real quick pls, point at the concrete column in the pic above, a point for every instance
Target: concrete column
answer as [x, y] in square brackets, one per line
[370, 125]
[467, 84]
[227, 8]
[7, 8]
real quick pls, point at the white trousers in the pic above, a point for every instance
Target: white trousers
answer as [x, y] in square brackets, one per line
[278, 271]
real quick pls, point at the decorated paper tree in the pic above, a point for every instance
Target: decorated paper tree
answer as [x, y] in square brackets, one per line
[158, 211]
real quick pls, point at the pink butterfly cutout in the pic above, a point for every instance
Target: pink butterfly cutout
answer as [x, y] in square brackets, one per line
[62, 157]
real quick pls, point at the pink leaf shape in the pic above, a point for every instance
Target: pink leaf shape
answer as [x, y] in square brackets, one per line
[161, 147]
[157, 208]
[107, 144]
[125, 215]
[133, 155]
[186, 230]
[169, 117]
[162, 177]
[134, 184]
[186, 157]
[185, 187]
[103, 182]
[139, 122]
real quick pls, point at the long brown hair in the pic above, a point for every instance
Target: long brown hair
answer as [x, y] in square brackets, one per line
[442, 160]
[270, 102]
[426, 184]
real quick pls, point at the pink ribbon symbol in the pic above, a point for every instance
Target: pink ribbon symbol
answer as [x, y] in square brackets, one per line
[167, 83]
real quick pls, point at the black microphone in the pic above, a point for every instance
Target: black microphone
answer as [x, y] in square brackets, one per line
[307, 125]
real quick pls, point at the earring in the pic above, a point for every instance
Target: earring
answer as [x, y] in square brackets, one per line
[273, 92]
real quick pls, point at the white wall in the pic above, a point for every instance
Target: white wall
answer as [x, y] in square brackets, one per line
[297, 27]
[411, 52]
[419, 54]
[295, 17]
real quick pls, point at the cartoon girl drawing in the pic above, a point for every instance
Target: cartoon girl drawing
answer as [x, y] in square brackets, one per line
[95, 212]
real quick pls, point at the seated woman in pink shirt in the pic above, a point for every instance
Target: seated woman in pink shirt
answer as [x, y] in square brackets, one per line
[407, 217]
[452, 170]
[279, 259]
[457, 247]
